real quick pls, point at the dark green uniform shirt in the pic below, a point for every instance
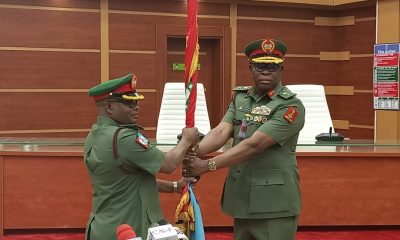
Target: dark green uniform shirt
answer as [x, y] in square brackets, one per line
[124, 188]
[267, 185]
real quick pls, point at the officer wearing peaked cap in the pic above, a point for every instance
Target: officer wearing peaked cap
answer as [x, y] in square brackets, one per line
[262, 190]
[122, 163]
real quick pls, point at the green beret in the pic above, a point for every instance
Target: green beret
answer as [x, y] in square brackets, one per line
[123, 87]
[266, 51]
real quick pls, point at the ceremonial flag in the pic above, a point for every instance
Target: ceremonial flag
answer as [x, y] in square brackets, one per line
[191, 62]
[188, 214]
[198, 232]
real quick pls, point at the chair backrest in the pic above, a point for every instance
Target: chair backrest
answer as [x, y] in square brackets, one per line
[172, 114]
[318, 119]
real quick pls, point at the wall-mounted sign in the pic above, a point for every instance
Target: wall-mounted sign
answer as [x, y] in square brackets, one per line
[181, 67]
[386, 76]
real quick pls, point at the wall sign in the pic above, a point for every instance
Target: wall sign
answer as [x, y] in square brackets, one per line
[386, 76]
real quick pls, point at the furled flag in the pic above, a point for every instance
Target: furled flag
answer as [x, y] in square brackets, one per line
[191, 62]
[188, 214]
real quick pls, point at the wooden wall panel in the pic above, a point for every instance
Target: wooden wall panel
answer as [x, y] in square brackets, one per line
[283, 12]
[137, 32]
[61, 185]
[301, 38]
[93, 4]
[147, 113]
[309, 71]
[133, 41]
[55, 29]
[143, 65]
[296, 71]
[46, 111]
[357, 133]
[357, 109]
[149, 6]
[366, 11]
[48, 134]
[27, 69]
[177, 7]
[356, 72]
[128, 32]
[358, 39]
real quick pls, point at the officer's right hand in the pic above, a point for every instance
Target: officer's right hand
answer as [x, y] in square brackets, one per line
[191, 135]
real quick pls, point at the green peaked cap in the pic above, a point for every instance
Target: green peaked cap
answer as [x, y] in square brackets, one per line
[123, 87]
[266, 50]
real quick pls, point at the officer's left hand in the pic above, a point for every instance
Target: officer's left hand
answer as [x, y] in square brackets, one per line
[185, 180]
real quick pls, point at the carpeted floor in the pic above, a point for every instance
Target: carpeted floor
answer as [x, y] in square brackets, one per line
[301, 235]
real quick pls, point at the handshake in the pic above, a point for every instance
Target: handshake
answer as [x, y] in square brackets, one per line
[193, 166]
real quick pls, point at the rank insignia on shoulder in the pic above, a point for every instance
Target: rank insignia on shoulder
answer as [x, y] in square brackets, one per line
[241, 88]
[142, 140]
[291, 114]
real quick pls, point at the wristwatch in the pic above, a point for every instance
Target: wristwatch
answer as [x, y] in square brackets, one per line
[175, 186]
[211, 165]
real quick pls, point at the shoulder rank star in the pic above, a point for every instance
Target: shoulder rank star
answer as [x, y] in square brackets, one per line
[142, 140]
[291, 114]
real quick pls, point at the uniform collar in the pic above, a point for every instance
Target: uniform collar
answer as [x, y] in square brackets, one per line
[271, 94]
[103, 120]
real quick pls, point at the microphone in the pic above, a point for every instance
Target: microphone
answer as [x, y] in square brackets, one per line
[162, 222]
[179, 232]
[162, 230]
[125, 232]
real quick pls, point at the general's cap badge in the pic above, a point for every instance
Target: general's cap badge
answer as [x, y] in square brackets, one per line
[133, 82]
[268, 46]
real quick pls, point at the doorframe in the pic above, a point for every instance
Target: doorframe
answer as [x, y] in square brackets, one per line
[211, 32]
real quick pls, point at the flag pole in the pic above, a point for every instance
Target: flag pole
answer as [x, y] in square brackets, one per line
[191, 62]
[188, 214]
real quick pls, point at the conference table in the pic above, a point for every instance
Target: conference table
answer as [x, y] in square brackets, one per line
[44, 184]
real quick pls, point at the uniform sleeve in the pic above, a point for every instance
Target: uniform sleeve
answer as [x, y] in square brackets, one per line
[134, 154]
[230, 113]
[279, 128]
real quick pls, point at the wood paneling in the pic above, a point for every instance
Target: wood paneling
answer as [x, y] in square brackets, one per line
[361, 108]
[51, 3]
[41, 28]
[334, 21]
[46, 111]
[335, 56]
[52, 190]
[345, 187]
[61, 185]
[179, 7]
[301, 38]
[143, 65]
[358, 39]
[357, 72]
[357, 133]
[339, 90]
[130, 33]
[63, 28]
[282, 12]
[26, 69]
[148, 117]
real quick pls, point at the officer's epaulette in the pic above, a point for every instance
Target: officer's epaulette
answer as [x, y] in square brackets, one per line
[286, 93]
[133, 126]
[115, 137]
[241, 88]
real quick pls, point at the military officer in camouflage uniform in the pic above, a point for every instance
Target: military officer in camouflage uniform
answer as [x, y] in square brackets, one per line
[122, 164]
[261, 191]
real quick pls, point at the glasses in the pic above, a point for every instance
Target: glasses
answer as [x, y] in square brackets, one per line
[270, 67]
[128, 103]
